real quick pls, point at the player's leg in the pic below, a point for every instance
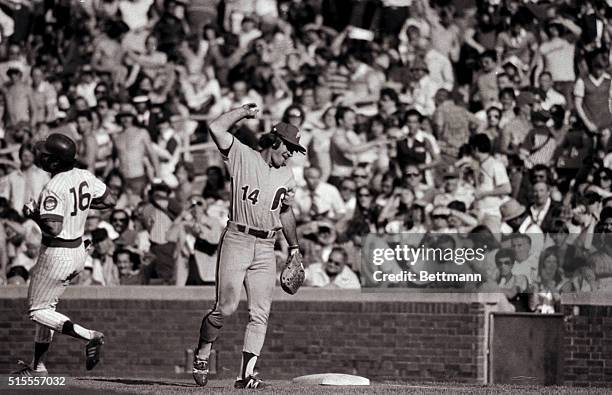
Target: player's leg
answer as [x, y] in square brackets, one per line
[259, 283]
[57, 266]
[235, 253]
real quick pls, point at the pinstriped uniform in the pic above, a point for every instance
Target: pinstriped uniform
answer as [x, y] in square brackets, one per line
[66, 197]
[258, 193]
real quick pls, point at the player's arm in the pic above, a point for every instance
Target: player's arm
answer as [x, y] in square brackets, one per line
[220, 126]
[103, 197]
[289, 228]
[49, 219]
[108, 200]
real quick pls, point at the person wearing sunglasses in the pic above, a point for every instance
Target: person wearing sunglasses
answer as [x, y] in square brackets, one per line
[512, 285]
[120, 220]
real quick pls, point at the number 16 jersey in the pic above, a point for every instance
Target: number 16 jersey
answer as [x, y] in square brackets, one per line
[67, 197]
[258, 189]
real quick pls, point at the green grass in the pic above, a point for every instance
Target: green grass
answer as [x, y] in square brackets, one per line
[108, 385]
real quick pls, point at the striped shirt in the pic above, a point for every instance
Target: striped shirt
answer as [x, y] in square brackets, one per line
[67, 197]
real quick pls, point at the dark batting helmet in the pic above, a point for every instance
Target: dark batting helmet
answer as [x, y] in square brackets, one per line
[56, 148]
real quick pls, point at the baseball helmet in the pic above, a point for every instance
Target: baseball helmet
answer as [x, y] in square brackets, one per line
[57, 146]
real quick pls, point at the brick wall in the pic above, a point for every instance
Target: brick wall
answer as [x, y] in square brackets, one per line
[588, 340]
[382, 336]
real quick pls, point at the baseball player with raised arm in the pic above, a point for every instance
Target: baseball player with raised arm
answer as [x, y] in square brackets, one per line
[61, 212]
[262, 188]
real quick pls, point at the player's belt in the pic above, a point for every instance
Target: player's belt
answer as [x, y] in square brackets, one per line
[59, 242]
[260, 234]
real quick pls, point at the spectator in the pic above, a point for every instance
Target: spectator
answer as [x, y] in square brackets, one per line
[105, 271]
[494, 184]
[158, 217]
[128, 267]
[132, 146]
[346, 145]
[591, 97]
[19, 100]
[197, 236]
[513, 285]
[120, 220]
[546, 298]
[319, 199]
[334, 273]
[26, 182]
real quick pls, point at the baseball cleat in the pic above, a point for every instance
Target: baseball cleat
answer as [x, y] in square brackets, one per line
[26, 370]
[249, 382]
[92, 350]
[200, 371]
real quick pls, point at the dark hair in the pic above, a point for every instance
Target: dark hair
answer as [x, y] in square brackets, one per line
[490, 53]
[115, 173]
[505, 253]
[340, 250]
[481, 143]
[84, 114]
[18, 271]
[391, 94]
[26, 147]
[269, 140]
[411, 113]
[289, 109]
[340, 111]
[134, 258]
[540, 167]
[457, 205]
[606, 170]
[120, 210]
[591, 197]
[553, 250]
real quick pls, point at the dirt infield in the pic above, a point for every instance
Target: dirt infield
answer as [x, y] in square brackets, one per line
[110, 385]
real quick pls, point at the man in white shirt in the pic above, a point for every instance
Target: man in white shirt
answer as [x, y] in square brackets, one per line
[526, 262]
[25, 183]
[550, 97]
[493, 185]
[332, 274]
[318, 198]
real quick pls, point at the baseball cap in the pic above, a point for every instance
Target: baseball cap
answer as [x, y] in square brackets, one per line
[289, 134]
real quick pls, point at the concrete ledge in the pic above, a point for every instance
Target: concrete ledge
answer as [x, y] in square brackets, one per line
[155, 292]
[587, 298]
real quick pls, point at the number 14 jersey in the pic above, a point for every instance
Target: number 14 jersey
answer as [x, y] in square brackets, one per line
[258, 189]
[67, 197]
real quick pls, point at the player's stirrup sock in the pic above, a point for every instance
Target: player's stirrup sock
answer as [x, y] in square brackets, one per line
[40, 354]
[77, 331]
[204, 350]
[248, 364]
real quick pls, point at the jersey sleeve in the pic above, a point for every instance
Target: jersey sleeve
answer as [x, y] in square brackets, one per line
[52, 204]
[98, 188]
[235, 156]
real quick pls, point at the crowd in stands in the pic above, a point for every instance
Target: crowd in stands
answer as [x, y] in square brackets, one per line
[485, 120]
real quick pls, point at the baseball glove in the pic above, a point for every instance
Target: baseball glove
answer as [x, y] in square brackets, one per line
[292, 276]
